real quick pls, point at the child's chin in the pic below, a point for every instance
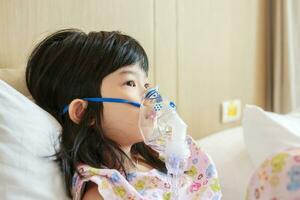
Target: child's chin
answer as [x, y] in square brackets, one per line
[139, 139]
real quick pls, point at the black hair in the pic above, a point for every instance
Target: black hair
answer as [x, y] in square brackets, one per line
[70, 64]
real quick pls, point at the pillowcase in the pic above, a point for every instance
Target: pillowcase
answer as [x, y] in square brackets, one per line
[266, 132]
[28, 136]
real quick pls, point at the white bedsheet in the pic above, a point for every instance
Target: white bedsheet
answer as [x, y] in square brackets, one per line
[233, 163]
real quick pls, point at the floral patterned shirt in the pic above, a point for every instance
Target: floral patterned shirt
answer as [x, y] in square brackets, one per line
[199, 182]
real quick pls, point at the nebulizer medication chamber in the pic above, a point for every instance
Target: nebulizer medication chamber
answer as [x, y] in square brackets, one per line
[159, 119]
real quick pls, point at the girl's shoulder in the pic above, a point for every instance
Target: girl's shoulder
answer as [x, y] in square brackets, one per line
[86, 174]
[92, 193]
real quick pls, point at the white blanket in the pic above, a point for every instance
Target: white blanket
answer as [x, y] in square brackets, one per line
[233, 163]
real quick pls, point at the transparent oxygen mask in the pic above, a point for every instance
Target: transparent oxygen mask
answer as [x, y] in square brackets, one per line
[159, 119]
[152, 111]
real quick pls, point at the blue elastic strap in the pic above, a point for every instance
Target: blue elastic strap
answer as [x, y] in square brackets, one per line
[110, 100]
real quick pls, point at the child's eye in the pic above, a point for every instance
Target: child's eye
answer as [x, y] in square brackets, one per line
[130, 83]
[147, 85]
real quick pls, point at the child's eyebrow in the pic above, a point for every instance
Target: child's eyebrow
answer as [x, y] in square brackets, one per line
[128, 72]
[132, 72]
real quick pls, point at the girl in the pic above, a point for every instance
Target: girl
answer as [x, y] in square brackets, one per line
[102, 154]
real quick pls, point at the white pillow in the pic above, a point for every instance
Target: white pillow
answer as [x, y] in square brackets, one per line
[266, 132]
[27, 135]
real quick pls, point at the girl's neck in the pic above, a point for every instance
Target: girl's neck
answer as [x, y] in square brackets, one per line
[139, 164]
[127, 150]
[132, 163]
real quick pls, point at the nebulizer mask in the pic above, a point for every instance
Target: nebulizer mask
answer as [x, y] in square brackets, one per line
[159, 119]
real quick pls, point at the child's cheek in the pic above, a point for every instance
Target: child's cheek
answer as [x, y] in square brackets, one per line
[120, 123]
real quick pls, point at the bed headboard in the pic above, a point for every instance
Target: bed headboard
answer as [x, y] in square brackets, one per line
[16, 78]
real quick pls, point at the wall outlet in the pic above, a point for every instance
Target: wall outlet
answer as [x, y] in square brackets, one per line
[231, 111]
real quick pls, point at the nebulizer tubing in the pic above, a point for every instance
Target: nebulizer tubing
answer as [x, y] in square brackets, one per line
[105, 100]
[176, 149]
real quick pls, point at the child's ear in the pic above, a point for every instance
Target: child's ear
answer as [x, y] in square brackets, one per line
[76, 110]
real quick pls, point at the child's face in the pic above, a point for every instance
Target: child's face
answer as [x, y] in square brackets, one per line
[120, 121]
